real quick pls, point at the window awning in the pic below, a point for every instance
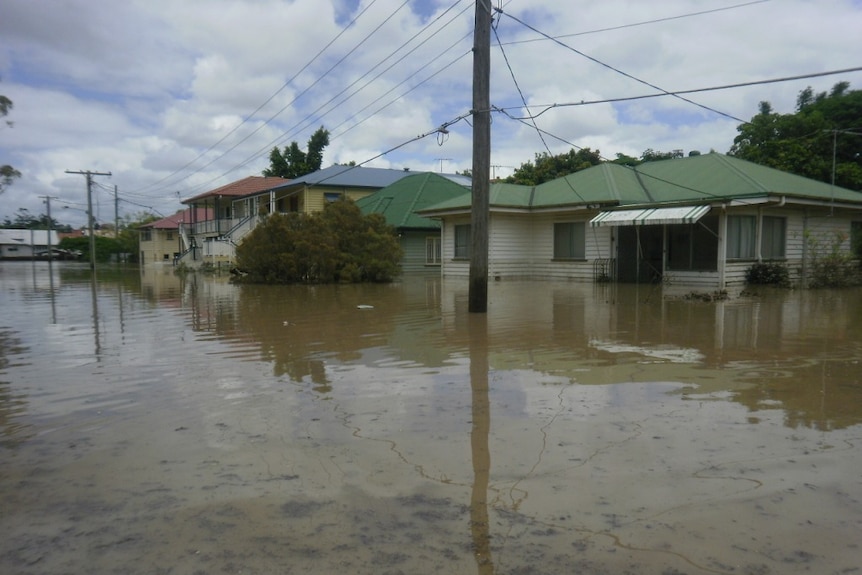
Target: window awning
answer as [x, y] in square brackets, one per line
[650, 216]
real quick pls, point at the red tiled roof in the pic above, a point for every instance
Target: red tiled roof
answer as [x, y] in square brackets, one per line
[171, 222]
[243, 187]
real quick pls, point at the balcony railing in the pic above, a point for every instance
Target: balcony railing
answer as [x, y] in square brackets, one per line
[212, 226]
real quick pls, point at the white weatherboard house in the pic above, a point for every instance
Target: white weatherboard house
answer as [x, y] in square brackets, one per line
[700, 221]
[16, 244]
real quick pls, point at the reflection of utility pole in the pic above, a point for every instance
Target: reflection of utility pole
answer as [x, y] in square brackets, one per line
[441, 160]
[90, 175]
[480, 526]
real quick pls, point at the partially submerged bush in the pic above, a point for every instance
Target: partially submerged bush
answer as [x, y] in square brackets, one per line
[338, 244]
[832, 267]
[768, 273]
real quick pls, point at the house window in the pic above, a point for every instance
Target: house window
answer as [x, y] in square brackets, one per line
[462, 241]
[693, 247]
[569, 241]
[332, 196]
[166, 257]
[432, 251]
[740, 237]
[856, 238]
[772, 237]
[146, 235]
[170, 236]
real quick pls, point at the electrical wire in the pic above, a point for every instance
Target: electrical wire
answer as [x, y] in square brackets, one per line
[306, 90]
[299, 126]
[620, 72]
[548, 107]
[267, 101]
[518, 87]
[642, 23]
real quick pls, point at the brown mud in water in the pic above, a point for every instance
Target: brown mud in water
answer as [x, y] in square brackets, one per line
[182, 425]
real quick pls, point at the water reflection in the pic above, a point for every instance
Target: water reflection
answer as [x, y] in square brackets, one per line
[796, 349]
[183, 423]
[480, 450]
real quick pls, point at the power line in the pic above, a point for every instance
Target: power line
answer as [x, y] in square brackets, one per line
[298, 127]
[267, 101]
[618, 71]
[548, 107]
[518, 87]
[642, 23]
[306, 90]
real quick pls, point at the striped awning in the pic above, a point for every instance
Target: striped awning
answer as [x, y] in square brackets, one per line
[650, 216]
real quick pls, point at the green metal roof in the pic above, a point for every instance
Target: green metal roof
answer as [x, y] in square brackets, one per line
[696, 179]
[399, 201]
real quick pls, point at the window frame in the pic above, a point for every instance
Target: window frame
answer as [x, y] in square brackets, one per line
[461, 239]
[737, 240]
[433, 251]
[570, 241]
[773, 247]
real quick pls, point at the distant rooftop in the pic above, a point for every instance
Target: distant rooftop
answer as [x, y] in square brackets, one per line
[243, 187]
[359, 177]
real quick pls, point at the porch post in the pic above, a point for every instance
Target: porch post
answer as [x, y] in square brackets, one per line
[722, 250]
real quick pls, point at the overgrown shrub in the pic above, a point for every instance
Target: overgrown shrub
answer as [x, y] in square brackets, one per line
[834, 270]
[832, 267]
[339, 244]
[105, 247]
[768, 273]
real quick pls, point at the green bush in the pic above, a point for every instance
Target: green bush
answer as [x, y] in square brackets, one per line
[832, 267]
[768, 273]
[338, 244]
[834, 270]
[105, 247]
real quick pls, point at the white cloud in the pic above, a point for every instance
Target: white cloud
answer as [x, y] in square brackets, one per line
[145, 88]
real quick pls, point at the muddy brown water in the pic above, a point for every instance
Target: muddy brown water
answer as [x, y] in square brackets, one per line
[151, 423]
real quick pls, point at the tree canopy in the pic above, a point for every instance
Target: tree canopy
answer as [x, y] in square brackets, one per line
[825, 126]
[25, 220]
[293, 162]
[546, 167]
[339, 244]
[7, 172]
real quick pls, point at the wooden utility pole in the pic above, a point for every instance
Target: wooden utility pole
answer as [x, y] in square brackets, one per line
[478, 292]
[116, 214]
[90, 218]
[50, 226]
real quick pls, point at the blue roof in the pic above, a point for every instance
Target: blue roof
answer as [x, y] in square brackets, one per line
[348, 176]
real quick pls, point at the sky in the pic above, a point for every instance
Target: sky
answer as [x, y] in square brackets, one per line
[177, 97]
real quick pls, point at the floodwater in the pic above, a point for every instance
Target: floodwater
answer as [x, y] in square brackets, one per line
[158, 424]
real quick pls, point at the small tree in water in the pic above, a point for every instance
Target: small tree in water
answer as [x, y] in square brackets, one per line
[339, 244]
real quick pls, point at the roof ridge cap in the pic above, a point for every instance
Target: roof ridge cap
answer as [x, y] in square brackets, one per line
[726, 162]
[425, 177]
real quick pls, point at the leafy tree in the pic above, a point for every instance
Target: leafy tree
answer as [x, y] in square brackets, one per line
[25, 220]
[7, 172]
[339, 244]
[546, 167]
[105, 247]
[625, 160]
[804, 142]
[651, 155]
[293, 162]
